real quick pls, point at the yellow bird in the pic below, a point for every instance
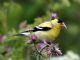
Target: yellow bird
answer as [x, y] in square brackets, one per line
[46, 31]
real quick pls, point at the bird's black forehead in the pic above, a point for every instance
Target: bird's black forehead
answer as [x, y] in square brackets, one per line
[60, 20]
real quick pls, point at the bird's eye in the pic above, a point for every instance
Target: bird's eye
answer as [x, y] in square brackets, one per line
[60, 20]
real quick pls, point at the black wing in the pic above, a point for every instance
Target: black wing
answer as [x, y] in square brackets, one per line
[38, 28]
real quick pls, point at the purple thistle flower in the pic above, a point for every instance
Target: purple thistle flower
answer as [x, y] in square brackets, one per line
[49, 51]
[33, 38]
[50, 48]
[41, 46]
[57, 50]
[53, 16]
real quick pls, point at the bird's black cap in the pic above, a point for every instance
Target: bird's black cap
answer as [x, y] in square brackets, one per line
[60, 20]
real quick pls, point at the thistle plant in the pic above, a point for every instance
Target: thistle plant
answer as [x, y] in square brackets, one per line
[43, 50]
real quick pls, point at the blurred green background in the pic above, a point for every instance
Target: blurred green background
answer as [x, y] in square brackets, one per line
[15, 15]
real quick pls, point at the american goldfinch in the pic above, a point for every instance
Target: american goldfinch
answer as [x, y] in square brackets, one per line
[46, 31]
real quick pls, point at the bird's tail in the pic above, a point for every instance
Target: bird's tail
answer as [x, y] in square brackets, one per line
[23, 34]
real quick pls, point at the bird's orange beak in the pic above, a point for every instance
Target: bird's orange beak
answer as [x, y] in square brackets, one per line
[63, 25]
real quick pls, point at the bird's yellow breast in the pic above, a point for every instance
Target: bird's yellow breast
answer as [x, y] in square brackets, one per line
[48, 35]
[53, 33]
